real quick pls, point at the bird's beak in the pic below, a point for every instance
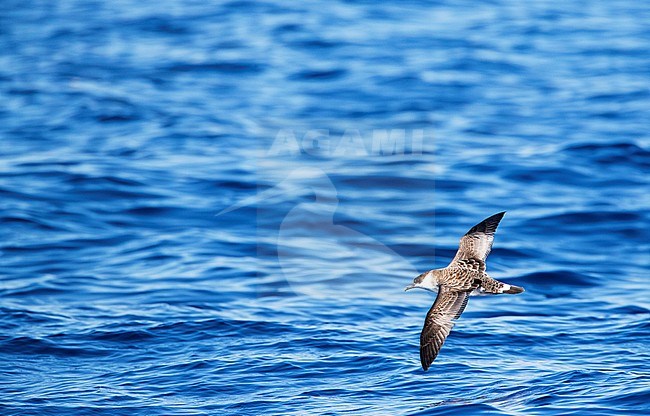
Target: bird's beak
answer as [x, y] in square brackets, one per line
[409, 287]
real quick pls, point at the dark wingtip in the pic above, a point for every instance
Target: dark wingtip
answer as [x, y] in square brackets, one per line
[426, 358]
[514, 290]
[488, 225]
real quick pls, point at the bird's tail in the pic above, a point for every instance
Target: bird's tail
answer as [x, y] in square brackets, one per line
[512, 289]
[490, 285]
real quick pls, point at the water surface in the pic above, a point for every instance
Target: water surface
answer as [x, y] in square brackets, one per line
[127, 126]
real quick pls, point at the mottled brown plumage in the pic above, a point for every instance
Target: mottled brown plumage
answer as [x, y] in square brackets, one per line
[454, 283]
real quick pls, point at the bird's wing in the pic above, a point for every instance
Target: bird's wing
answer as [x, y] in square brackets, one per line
[477, 243]
[448, 306]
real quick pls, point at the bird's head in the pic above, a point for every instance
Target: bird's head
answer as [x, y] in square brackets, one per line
[427, 281]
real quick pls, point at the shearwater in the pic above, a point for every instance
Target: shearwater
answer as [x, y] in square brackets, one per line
[454, 283]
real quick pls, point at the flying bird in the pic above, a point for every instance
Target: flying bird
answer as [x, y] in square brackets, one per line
[454, 283]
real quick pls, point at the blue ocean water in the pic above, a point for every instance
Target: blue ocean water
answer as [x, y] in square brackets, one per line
[213, 208]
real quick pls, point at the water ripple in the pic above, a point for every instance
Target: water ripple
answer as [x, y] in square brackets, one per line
[210, 209]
